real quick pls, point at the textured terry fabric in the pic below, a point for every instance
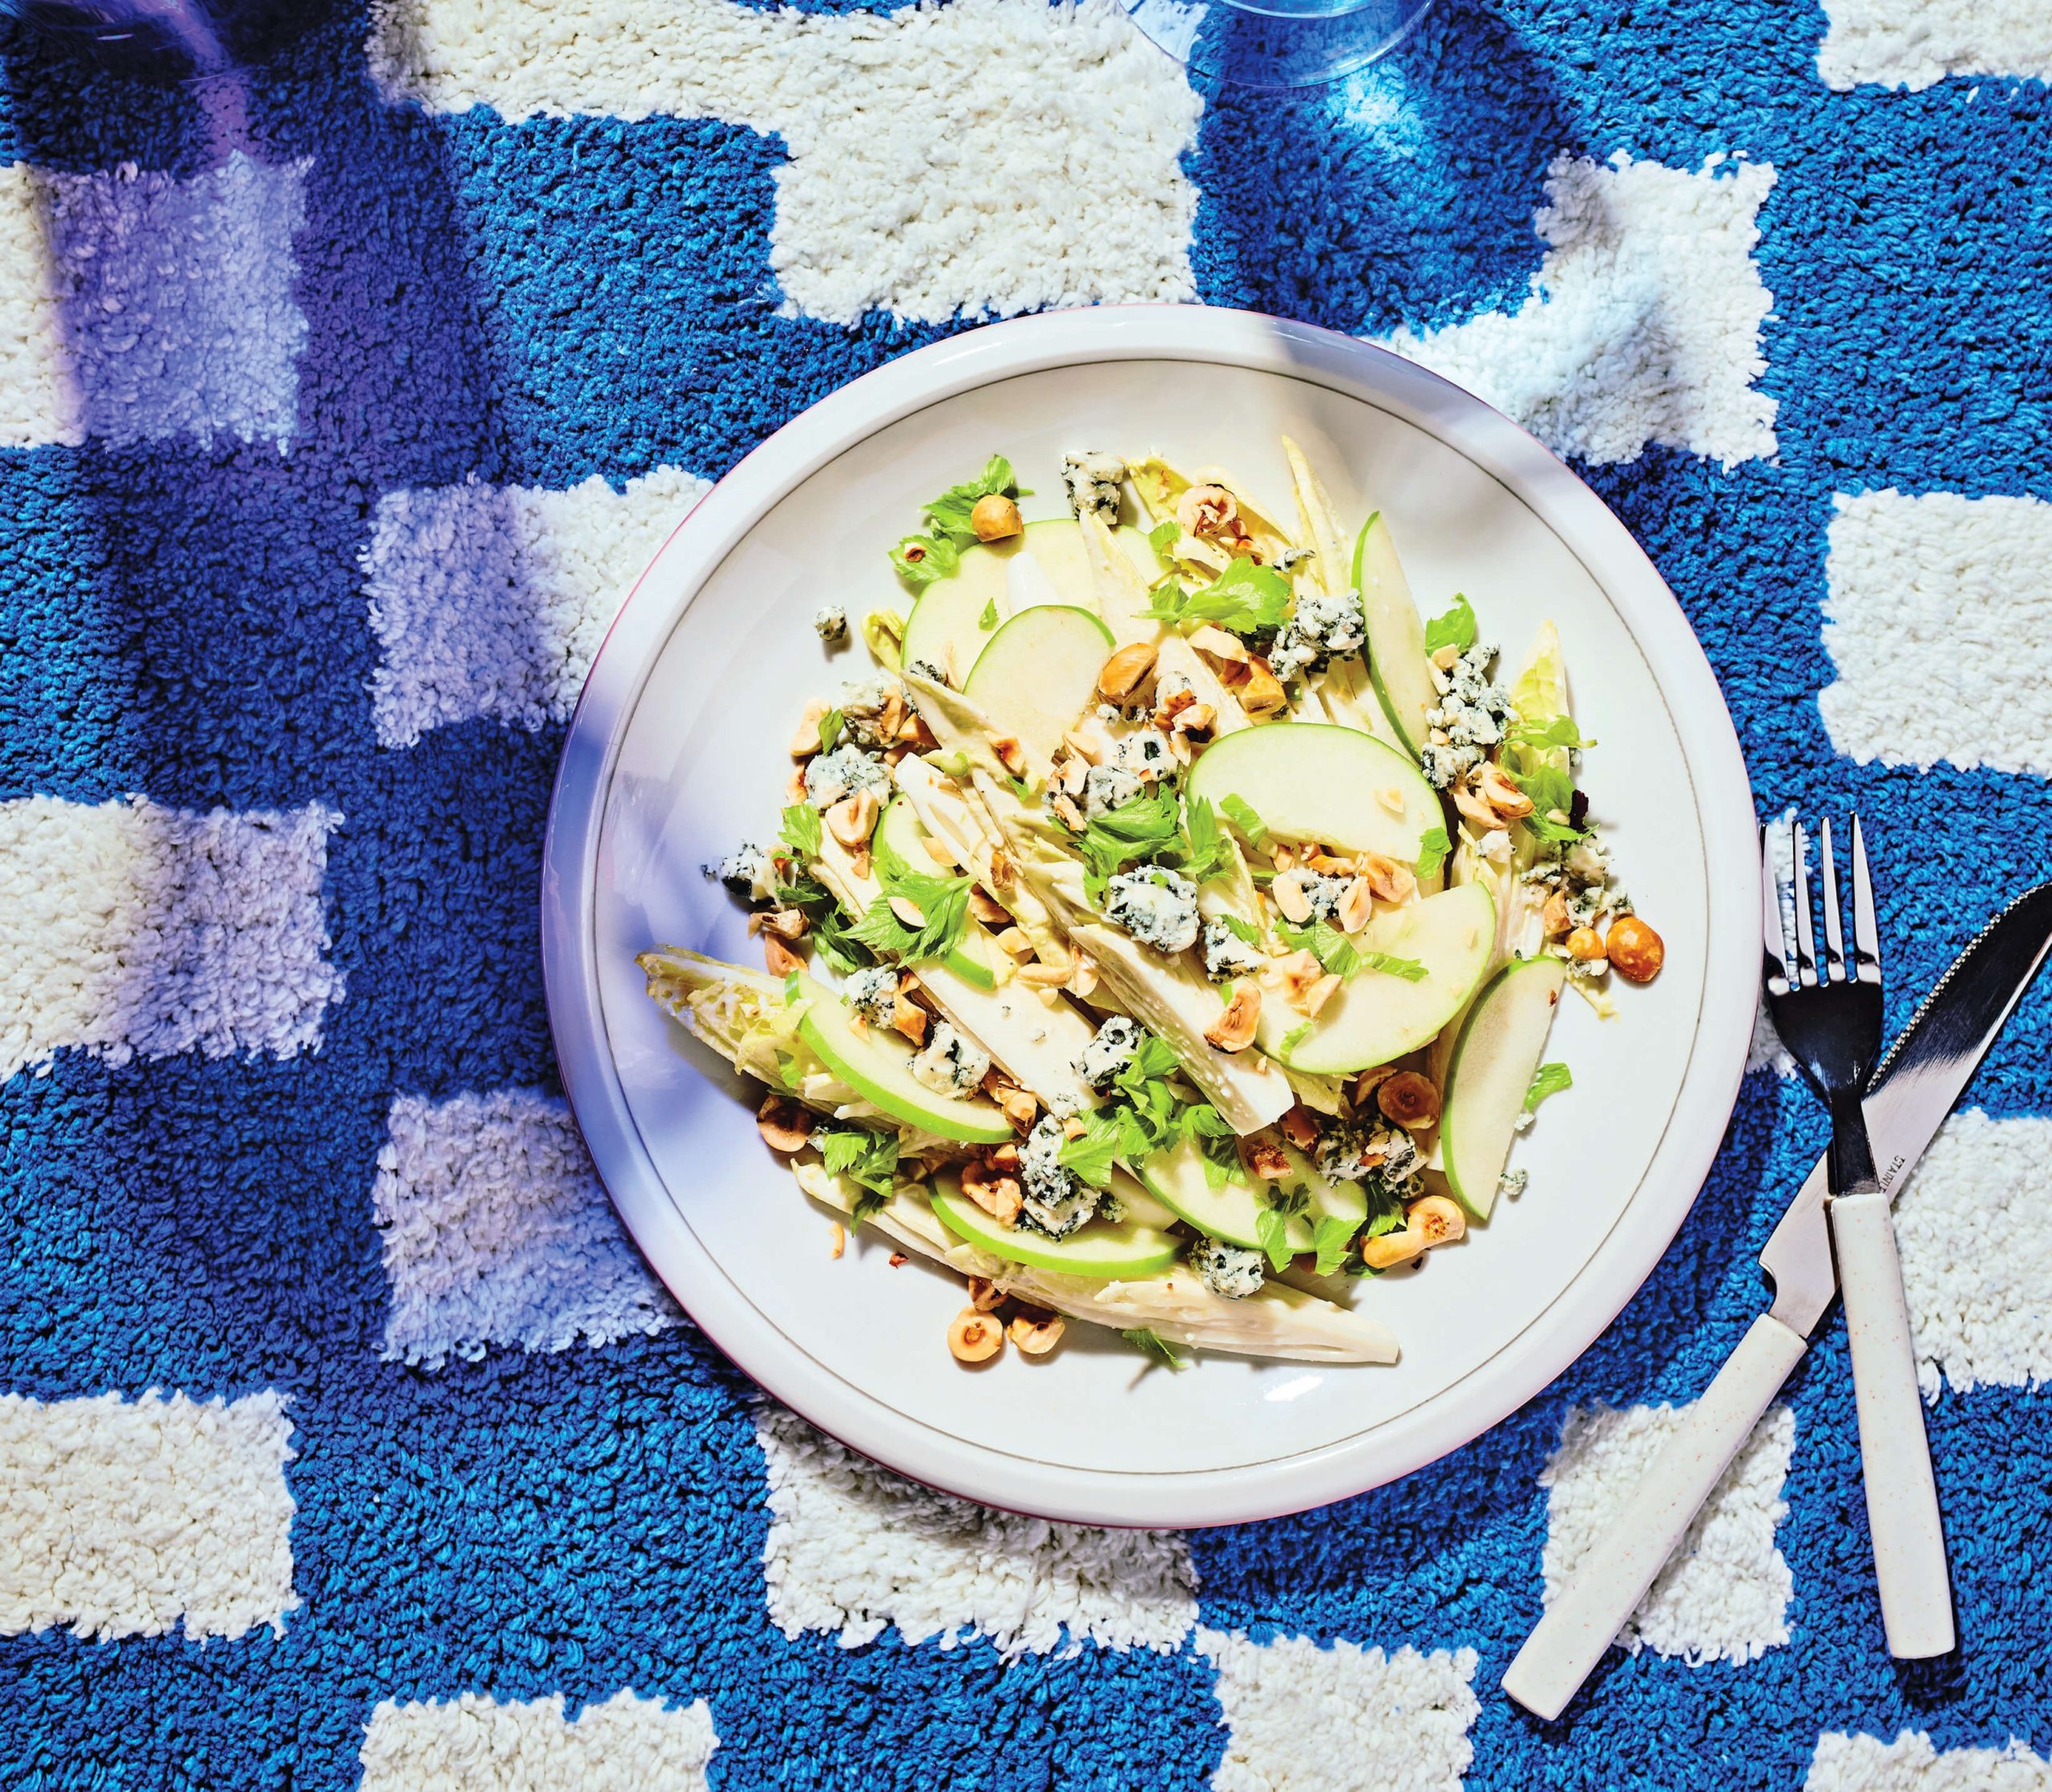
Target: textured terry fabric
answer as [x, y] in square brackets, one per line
[298, 582]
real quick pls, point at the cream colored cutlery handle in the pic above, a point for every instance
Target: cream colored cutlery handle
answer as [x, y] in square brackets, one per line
[1895, 1457]
[1607, 1588]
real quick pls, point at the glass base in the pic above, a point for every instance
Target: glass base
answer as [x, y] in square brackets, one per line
[1278, 46]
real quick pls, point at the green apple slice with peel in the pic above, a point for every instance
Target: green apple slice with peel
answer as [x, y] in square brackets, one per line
[1494, 1057]
[1378, 1016]
[1397, 666]
[1232, 1210]
[1127, 1250]
[1039, 674]
[1046, 563]
[1312, 781]
[877, 1065]
[898, 830]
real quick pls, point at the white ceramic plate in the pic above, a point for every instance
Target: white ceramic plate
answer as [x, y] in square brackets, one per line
[677, 751]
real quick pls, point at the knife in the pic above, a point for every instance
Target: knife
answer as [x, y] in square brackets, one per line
[1912, 1092]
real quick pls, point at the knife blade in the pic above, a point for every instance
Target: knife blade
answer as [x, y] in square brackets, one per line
[1932, 1061]
[1913, 1090]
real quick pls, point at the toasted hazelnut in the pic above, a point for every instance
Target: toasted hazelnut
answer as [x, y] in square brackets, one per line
[1262, 694]
[1294, 973]
[1553, 916]
[1234, 1029]
[1357, 908]
[1300, 1127]
[973, 1337]
[1285, 859]
[1409, 1100]
[1439, 1218]
[1288, 893]
[997, 1193]
[1003, 873]
[785, 1126]
[1208, 511]
[779, 959]
[1488, 798]
[1123, 671]
[987, 908]
[1390, 880]
[850, 820]
[1320, 993]
[1010, 754]
[837, 1238]
[908, 1018]
[1043, 975]
[1215, 644]
[1016, 943]
[1585, 944]
[794, 785]
[1198, 718]
[1366, 1084]
[1083, 976]
[1448, 657]
[804, 738]
[785, 923]
[1635, 950]
[995, 517]
[908, 911]
[1035, 1335]
[1265, 1158]
[985, 1296]
[898, 1260]
[1391, 796]
[1392, 1248]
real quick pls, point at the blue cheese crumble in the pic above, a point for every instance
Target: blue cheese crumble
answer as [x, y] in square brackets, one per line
[1145, 754]
[1056, 1199]
[1109, 1052]
[1092, 480]
[1226, 1269]
[1471, 717]
[873, 994]
[748, 872]
[862, 706]
[829, 622]
[951, 1064]
[1322, 627]
[928, 670]
[1227, 955]
[1156, 906]
[1356, 1153]
[831, 777]
[1106, 787]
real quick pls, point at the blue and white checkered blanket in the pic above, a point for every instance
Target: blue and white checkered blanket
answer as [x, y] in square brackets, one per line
[343, 1438]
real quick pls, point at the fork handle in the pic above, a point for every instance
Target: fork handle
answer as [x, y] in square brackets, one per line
[1894, 1456]
[1609, 1583]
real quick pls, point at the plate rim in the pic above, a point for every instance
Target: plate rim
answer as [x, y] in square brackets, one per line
[1578, 1314]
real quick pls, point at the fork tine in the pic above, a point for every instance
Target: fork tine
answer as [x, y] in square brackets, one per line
[1866, 941]
[1834, 925]
[1806, 949]
[1777, 954]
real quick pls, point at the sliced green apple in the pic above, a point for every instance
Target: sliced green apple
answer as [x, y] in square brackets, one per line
[877, 1065]
[1039, 674]
[1126, 1249]
[1494, 1057]
[1046, 563]
[1313, 781]
[1232, 1210]
[1397, 665]
[1378, 1014]
[899, 830]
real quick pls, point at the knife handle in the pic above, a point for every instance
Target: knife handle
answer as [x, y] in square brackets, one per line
[1894, 1456]
[1605, 1589]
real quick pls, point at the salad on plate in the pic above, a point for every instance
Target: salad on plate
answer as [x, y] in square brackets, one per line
[1166, 933]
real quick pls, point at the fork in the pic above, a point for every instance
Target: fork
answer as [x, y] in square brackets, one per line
[1831, 1027]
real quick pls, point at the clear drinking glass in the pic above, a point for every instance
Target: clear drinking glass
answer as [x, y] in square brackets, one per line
[1276, 44]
